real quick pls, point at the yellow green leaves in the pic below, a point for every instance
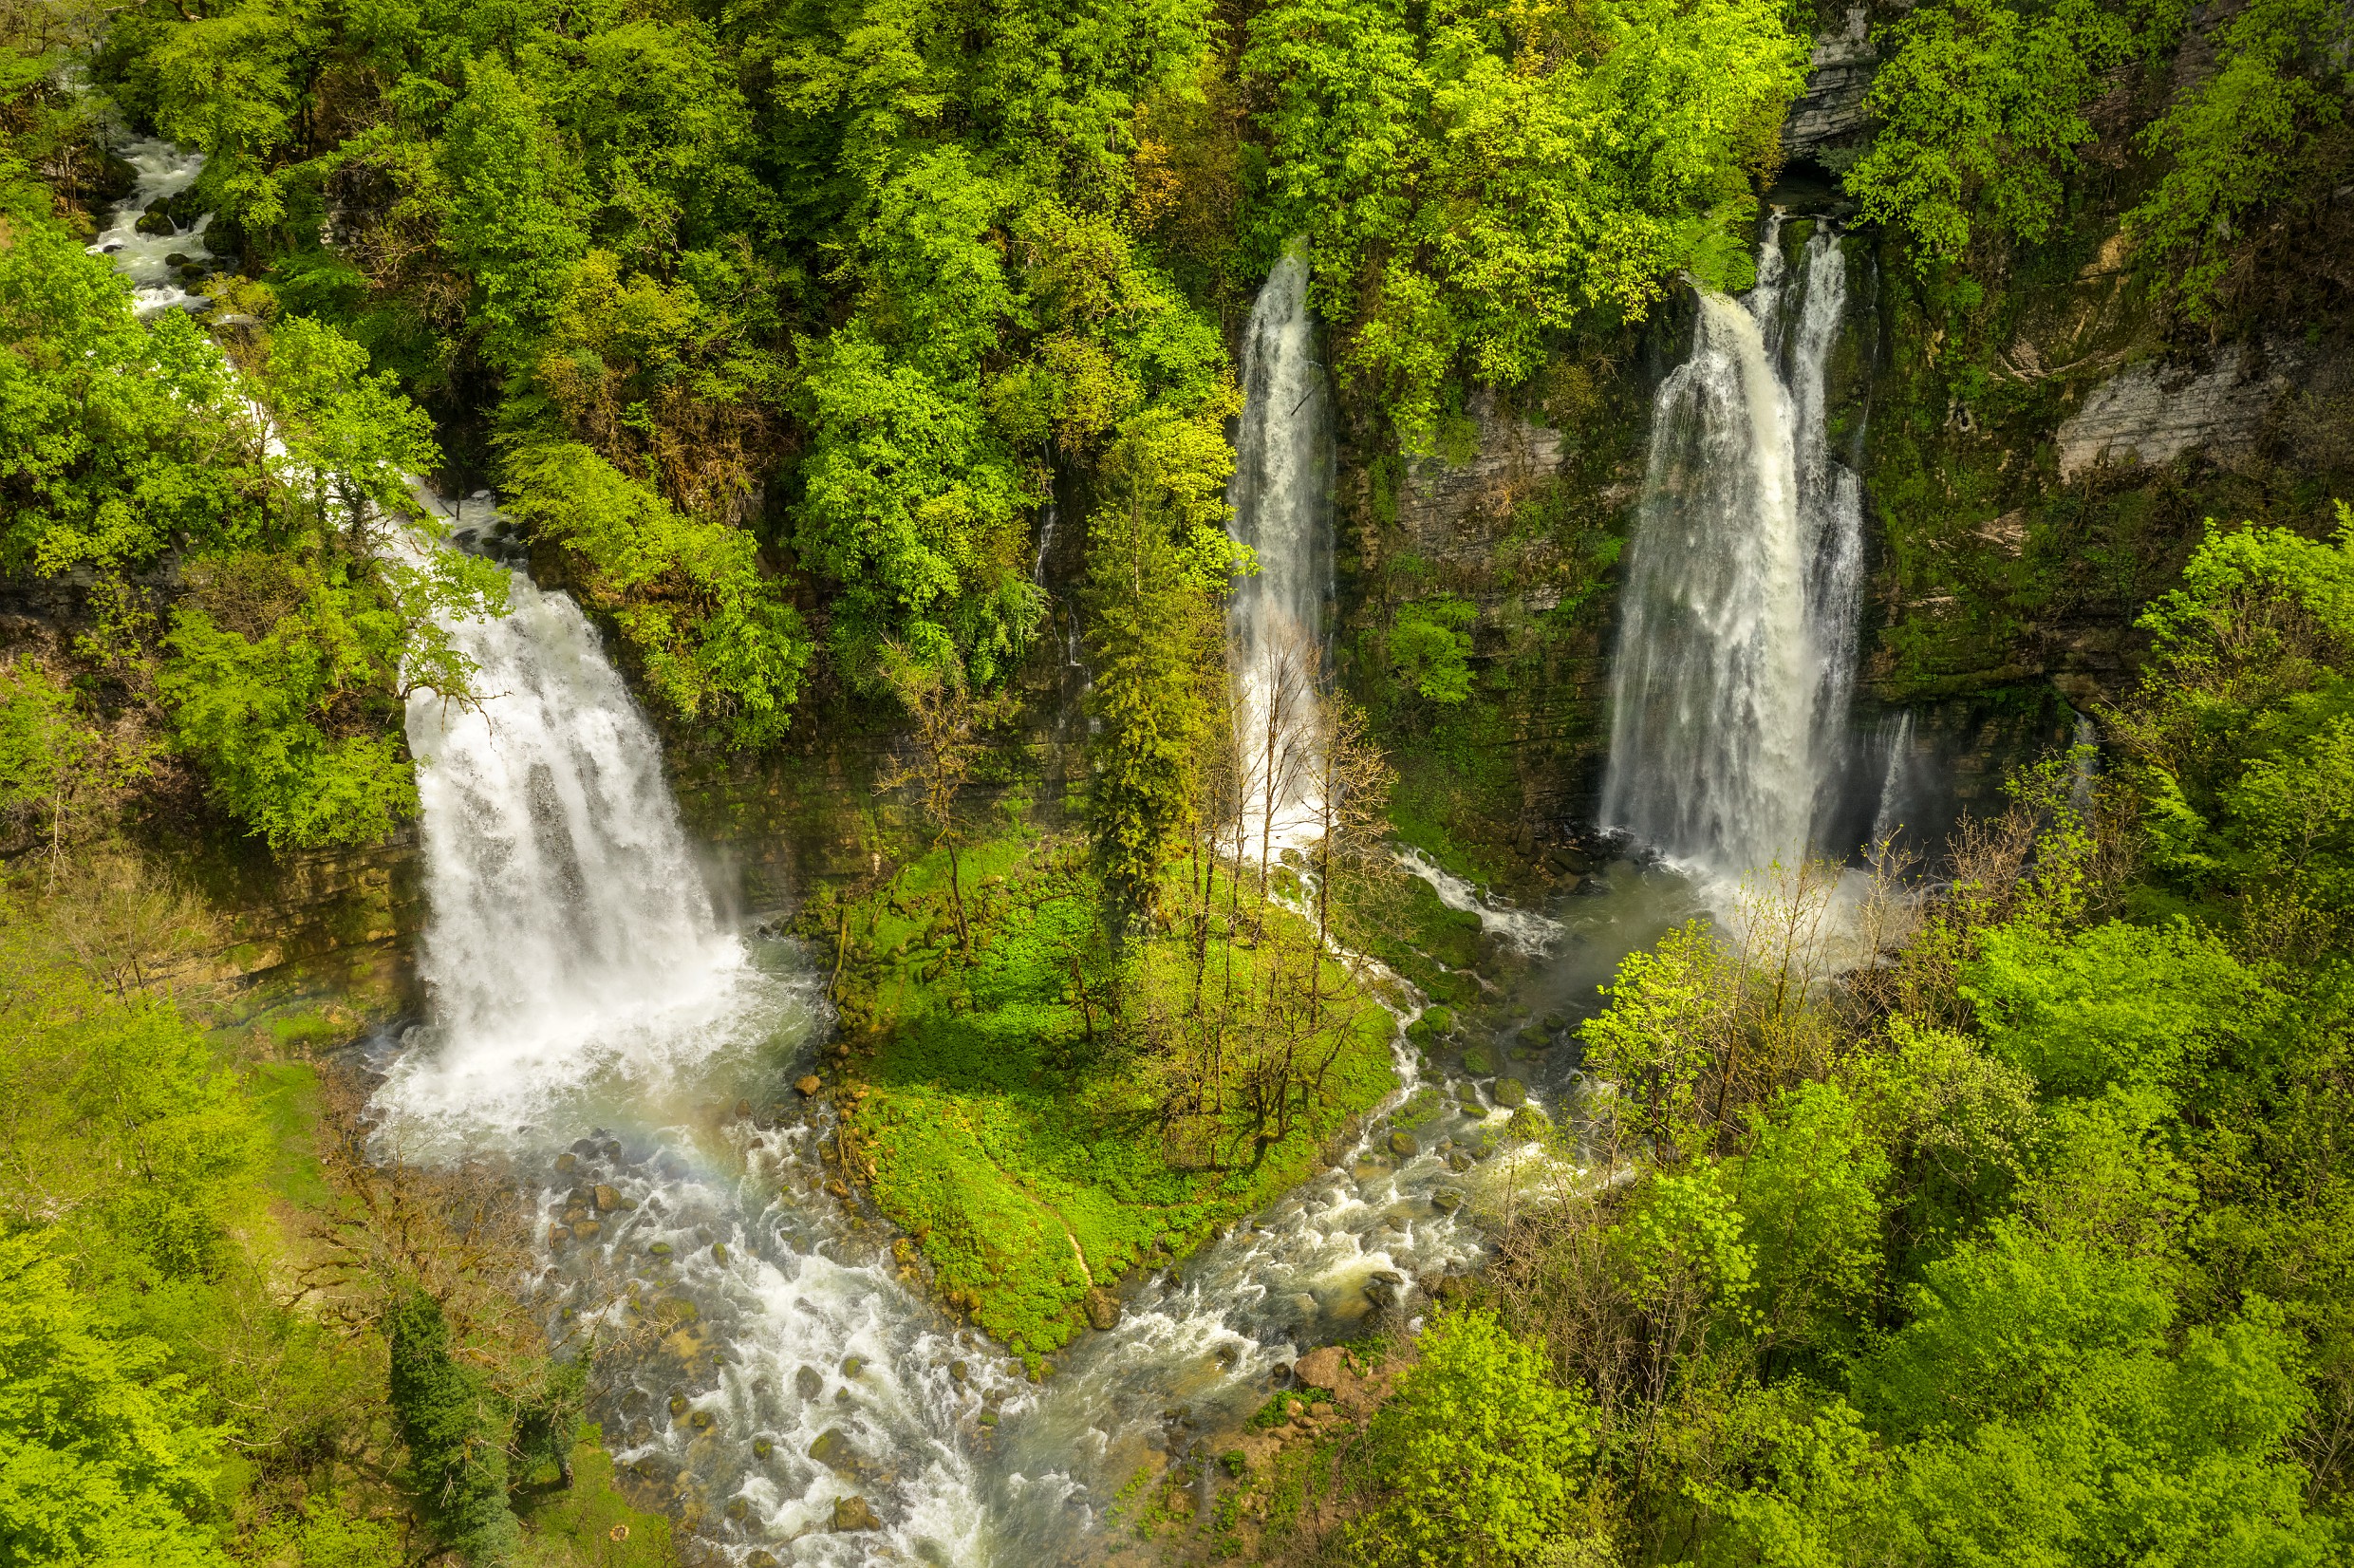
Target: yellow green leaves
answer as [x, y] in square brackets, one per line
[1478, 1458]
[711, 634]
[1431, 647]
[1982, 109]
[1471, 184]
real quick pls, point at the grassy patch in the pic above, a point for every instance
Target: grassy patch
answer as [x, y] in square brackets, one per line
[590, 1522]
[1007, 1117]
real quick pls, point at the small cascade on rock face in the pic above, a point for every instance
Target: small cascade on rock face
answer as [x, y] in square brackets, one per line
[1895, 782]
[2084, 764]
[1736, 652]
[1282, 496]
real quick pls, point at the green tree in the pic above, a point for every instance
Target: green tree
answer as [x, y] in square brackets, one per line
[1478, 1458]
[1981, 104]
[1159, 564]
[456, 1425]
[101, 1458]
[1430, 648]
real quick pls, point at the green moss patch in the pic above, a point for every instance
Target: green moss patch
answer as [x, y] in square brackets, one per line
[1007, 1113]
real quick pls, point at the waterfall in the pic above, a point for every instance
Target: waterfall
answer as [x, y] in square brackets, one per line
[1737, 639]
[570, 929]
[1895, 782]
[1282, 498]
[595, 1024]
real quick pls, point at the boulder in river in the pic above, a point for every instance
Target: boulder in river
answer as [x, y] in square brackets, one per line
[809, 1382]
[1512, 1093]
[1404, 1145]
[1318, 1369]
[1447, 1200]
[1103, 1308]
[834, 1451]
[853, 1513]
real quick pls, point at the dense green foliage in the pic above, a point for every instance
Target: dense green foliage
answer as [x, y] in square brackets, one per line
[2028, 1244]
[222, 1337]
[1472, 180]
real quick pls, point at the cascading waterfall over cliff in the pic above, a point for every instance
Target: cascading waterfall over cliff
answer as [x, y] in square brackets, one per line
[593, 1020]
[1282, 496]
[1737, 635]
[570, 929]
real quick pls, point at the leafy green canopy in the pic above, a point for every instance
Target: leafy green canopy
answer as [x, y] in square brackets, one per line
[265, 504]
[1981, 107]
[102, 1459]
[2242, 733]
[1479, 1456]
[1471, 180]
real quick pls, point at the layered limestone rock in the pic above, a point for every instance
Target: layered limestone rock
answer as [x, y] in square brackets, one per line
[2152, 413]
[1838, 74]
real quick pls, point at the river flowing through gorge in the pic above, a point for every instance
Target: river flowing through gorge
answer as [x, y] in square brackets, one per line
[772, 1372]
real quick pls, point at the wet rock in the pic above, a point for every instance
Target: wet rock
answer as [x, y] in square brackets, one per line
[762, 1448]
[834, 1451]
[809, 1382]
[743, 1110]
[567, 1163]
[718, 1250]
[612, 1149]
[678, 1405]
[558, 1235]
[701, 1421]
[1512, 1093]
[1318, 1369]
[736, 1509]
[1462, 1160]
[1280, 1375]
[807, 1084]
[660, 1249]
[158, 224]
[957, 1372]
[1478, 1060]
[584, 1148]
[1386, 1289]
[587, 1230]
[853, 1513]
[1103, 1308]
[762, 1560]
[853, 1365]
[988, 1418]
[1447, 1200]
[176, 259]
[1403, 1145]
[608, 1199]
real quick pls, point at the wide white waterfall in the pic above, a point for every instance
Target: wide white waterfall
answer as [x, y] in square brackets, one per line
[1282, 496]
[1737, 635]
[571, 932]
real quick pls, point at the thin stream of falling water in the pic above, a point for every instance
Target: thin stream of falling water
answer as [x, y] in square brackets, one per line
[1282, 500]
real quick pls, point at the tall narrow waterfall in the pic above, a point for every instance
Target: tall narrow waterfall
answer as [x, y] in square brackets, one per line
[1737, 637]
[1281, 495]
